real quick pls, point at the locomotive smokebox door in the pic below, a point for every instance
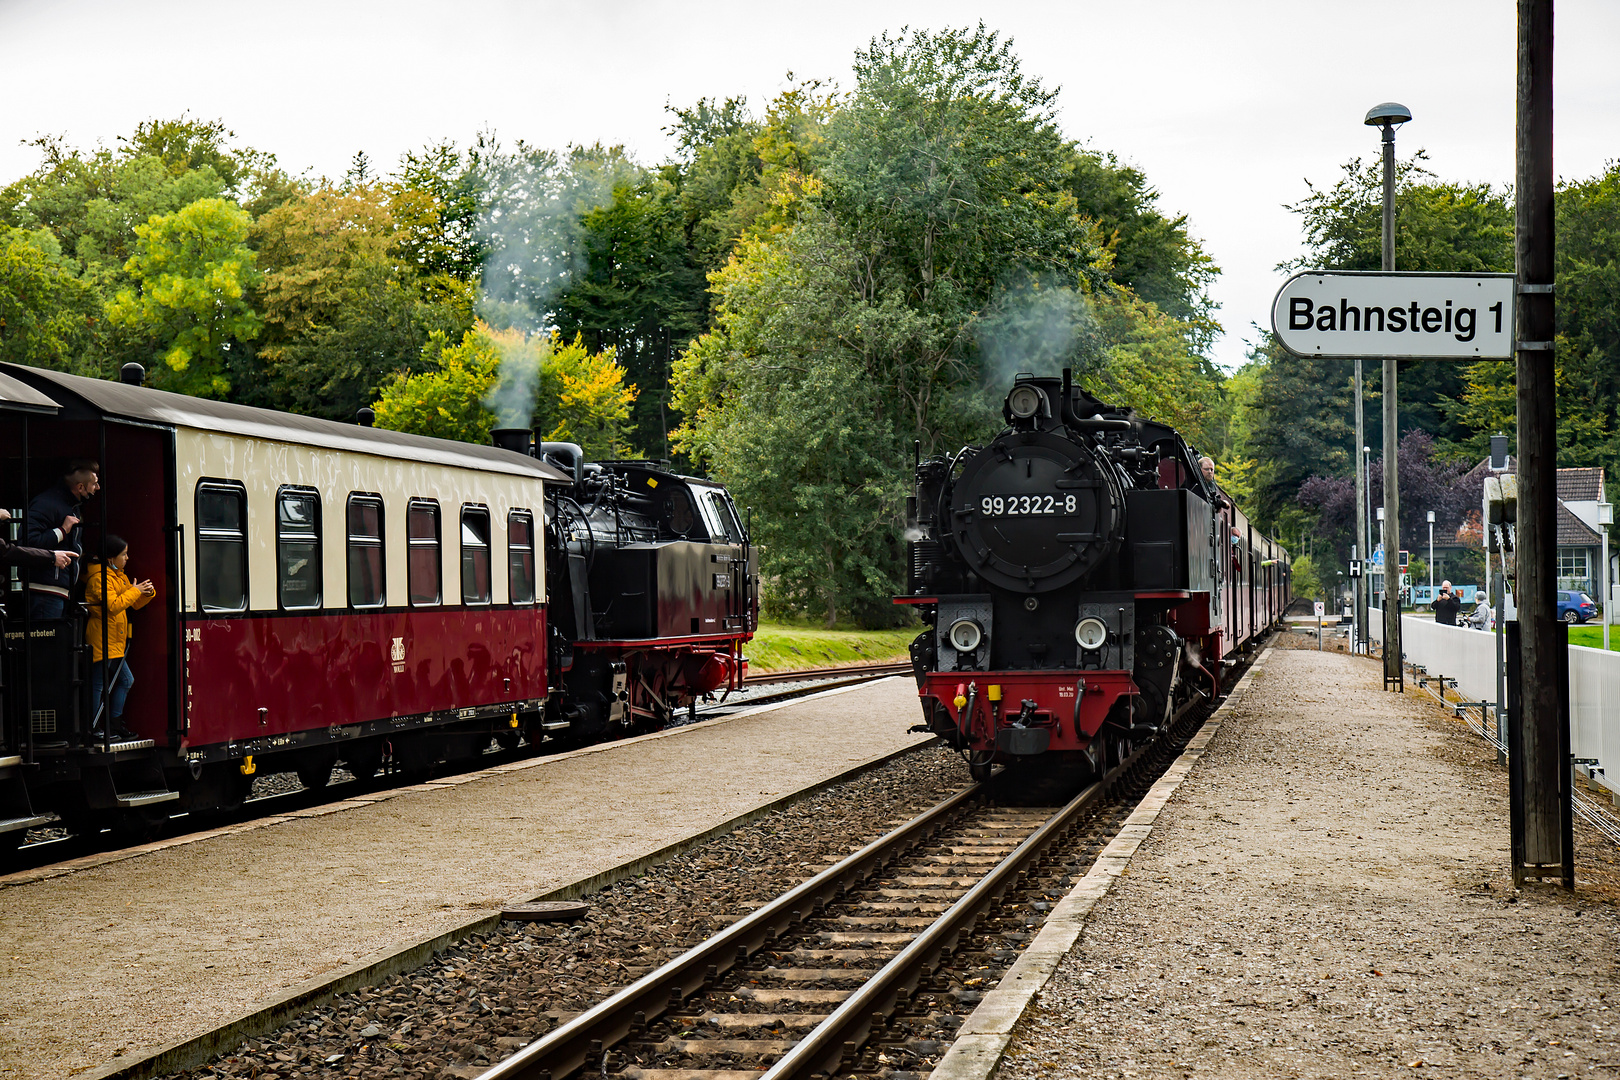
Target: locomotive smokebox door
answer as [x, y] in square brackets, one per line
[1035, 512]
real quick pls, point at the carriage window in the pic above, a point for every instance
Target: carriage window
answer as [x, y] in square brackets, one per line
[474, 555]
[365, 551]
[298, 547]
[221, 547]
[422, 558]
[520, 555]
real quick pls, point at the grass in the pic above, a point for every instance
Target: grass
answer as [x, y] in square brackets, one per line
[1591, 636]
[779, 646]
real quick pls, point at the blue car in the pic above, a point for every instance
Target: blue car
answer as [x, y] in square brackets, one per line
[1575, 607]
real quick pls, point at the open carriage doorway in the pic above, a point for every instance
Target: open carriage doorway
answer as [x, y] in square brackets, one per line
[48, 698]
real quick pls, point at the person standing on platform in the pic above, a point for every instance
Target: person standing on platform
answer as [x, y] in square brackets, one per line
[1446, 605]
[53, 525]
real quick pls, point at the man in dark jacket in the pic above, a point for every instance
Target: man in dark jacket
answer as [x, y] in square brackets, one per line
[1446, 605]
[53, 525]
[33, 558]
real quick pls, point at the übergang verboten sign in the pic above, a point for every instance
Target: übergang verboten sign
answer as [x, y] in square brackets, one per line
[1344, 313]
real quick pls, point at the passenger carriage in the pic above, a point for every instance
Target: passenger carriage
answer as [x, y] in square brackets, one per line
[325, 591]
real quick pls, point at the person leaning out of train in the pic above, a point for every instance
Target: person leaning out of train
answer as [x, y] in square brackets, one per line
[1206, 469]
[111, 596]
[53, 525]
[31, 557]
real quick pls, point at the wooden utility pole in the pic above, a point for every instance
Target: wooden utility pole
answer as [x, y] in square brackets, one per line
[1539, 739]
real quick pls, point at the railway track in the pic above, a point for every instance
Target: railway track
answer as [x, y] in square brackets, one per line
[865, 968]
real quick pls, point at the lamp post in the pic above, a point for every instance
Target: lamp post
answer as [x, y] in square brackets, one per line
[1383, 549]
[1389, 116]
[1605, 512]
[1431, 553]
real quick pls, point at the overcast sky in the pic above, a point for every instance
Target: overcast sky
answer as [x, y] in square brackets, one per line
[1228, 106]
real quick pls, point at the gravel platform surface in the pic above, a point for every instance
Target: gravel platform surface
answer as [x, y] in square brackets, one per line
[1328, 895]
[150, 949]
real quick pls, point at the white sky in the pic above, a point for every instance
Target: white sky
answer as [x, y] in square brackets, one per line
[1227, 105]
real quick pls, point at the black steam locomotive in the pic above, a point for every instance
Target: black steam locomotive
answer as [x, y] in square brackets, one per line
[1082, 580]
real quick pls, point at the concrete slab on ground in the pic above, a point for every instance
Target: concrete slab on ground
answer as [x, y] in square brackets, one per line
[142, 951]
[1326, 896]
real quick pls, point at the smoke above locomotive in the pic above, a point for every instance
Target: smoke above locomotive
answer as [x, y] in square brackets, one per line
[1082, 581]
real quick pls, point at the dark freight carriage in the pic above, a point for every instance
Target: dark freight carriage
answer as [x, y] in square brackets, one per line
[1084, 580]
[328, 592]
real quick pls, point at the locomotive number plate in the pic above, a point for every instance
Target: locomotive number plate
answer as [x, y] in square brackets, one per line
[1027, 505]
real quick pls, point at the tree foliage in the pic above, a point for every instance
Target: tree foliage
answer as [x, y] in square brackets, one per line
[47, 313]
[190, 274]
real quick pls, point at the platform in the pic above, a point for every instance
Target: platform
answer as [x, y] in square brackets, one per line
[142, 951]
[1327, 894]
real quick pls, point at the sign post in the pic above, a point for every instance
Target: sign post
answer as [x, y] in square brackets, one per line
[1345, 314]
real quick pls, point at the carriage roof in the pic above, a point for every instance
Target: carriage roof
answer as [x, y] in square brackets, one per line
[35, 389]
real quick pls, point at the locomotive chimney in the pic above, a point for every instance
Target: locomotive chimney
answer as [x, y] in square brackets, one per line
[515, 439]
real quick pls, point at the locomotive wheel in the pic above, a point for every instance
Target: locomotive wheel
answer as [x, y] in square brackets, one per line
[219, 787]
[315, 768]
[364, 758]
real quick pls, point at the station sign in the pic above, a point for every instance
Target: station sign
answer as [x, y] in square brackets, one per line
[1339, 314]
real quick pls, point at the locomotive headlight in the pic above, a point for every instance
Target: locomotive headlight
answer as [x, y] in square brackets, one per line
[1024, 402]
[965, 635]
[1090, 633]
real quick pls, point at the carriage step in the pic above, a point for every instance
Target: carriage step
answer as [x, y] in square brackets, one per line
[554, 725]
[16, 823]
[145, 798]
[122, 746]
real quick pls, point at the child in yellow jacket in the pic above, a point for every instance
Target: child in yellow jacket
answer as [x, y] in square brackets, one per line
[111, 596]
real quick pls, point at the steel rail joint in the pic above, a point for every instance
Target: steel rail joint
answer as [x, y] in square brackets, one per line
[568, 1049]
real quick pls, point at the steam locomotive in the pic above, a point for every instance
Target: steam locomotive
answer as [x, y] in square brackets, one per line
[333, 592]
[1082, 581]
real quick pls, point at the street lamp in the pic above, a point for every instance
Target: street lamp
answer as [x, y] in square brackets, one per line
[1431, 552]
[1389, 116]
[1383, 550]
[1605, 512]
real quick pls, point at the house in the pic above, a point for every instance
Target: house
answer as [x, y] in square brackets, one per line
[1580, 540]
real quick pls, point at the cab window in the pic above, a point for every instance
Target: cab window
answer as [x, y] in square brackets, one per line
[520, 555]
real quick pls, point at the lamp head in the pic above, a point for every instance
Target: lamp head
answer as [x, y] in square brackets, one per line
[1431, 517]
[1388, 113]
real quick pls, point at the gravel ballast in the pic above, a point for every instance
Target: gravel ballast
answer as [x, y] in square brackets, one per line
[1327, 896]
[478, 1002]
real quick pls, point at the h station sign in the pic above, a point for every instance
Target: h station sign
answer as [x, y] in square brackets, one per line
[1345, 313]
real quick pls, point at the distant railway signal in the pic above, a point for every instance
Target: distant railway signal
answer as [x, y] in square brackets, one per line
[1344, 314]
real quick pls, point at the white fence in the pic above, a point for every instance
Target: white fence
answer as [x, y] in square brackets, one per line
[1469, 656]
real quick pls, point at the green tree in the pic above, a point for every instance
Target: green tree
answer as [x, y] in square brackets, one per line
[447, 401]
[47, 314]
[192, 270]
[342, 309]
[1153, 255]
